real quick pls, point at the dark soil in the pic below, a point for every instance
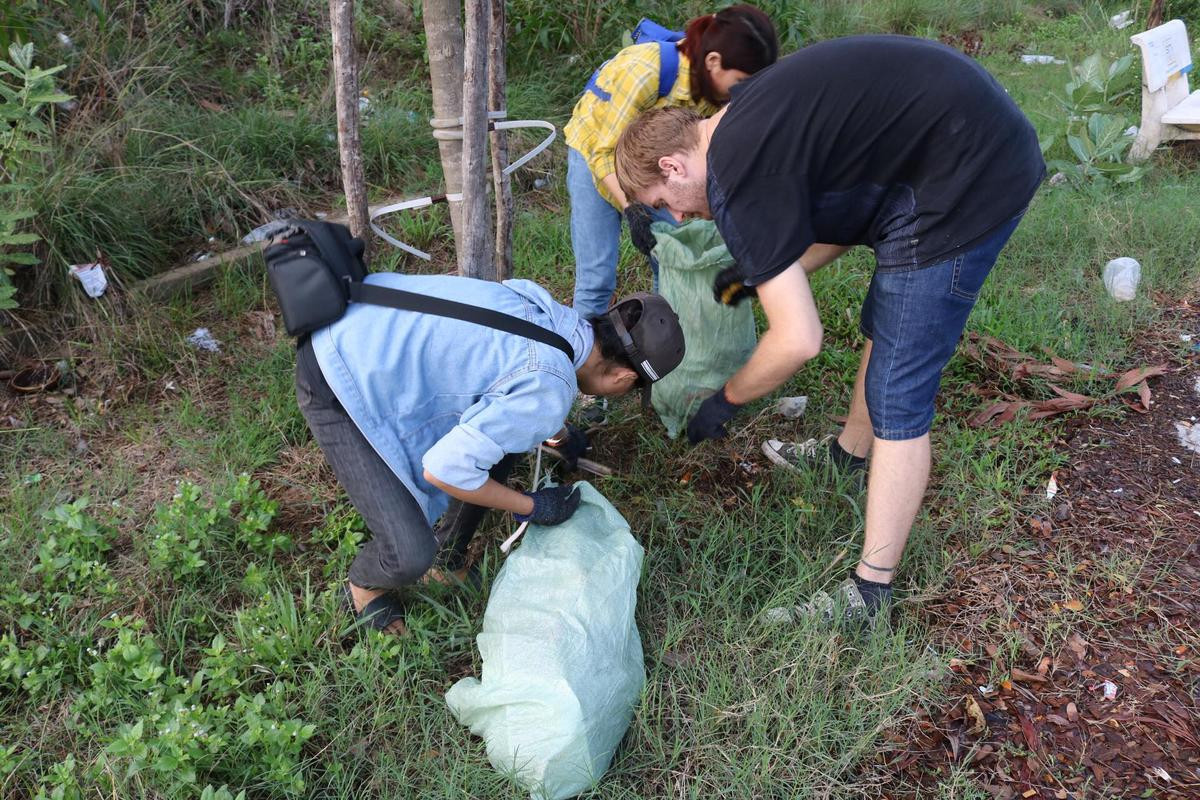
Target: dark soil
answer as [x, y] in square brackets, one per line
[1105, 597]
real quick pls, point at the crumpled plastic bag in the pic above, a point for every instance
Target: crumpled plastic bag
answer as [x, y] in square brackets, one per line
[562, 658]
[719, 338]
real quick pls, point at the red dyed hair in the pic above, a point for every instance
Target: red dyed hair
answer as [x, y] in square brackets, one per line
[743, 36]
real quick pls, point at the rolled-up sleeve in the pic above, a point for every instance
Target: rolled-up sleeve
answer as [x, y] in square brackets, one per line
[514, 419]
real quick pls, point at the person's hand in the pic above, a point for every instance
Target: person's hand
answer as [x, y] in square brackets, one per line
[729, 289]
[552, 506]
[572, 446]
[709, 420]
[639, 219]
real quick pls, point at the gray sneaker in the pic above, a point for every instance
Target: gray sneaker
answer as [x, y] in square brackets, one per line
[795, 455]
[846, 605]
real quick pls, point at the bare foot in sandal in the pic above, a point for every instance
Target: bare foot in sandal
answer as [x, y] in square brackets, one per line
[378, 609]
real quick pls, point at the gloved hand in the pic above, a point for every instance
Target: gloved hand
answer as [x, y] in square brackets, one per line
[553, 505]
[709, 420]
[639, 219]
[572, 446]
[728, 288]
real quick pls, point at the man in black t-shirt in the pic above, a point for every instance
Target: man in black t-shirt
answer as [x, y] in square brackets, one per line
[897, 143]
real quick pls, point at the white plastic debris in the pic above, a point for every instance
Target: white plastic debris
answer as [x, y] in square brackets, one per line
[1051, 488]
[539, 183]
[1110, 690]
[1121, 276]
[92, 277]
[1189, 436]
[1185, 337]
[363, 104]
[1031, 58]
[1132, 130]
[1120, 21]
[264, 232]
[792, 407]
[65, 41]
[202, 339]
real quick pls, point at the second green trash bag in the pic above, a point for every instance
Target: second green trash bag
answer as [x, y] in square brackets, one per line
[562, 659]
[719, 338]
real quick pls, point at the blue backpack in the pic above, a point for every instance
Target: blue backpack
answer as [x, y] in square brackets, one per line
[648, 30]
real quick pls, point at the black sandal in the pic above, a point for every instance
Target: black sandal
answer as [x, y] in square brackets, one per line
[379, 614]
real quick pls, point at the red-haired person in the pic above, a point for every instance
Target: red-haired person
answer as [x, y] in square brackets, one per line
[718, 51]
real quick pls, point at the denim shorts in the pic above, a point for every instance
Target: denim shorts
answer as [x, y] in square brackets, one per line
[914, 319]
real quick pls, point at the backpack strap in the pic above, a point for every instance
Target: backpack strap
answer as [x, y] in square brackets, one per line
[668, 67]
[410, 301]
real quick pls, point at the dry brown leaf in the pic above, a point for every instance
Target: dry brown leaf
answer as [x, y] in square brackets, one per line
[976, 724]
[1028, 677]
[1078, 645]
[1139, 374]
[1072, 711]
[1073, 605]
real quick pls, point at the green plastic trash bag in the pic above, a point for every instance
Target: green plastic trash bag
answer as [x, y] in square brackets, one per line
[719, 338]
[562, 659]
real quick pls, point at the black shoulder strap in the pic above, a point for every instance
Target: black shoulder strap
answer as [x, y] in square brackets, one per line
[410, 301]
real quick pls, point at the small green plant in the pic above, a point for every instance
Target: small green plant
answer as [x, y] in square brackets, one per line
[72, 547]
[189, 528]
[251, 513]
[26, 90]
[277, 742]
[179, 532]
[1095, 130]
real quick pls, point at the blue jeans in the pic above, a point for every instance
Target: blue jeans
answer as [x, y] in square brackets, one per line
[595, 238]
[914, 319]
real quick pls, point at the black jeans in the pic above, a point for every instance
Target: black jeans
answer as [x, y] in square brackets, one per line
[402, 545]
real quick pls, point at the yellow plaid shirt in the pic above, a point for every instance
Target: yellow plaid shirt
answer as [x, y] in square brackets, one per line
[631, 78]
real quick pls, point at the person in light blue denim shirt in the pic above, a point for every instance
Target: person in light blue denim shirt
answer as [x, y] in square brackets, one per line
[414, 411]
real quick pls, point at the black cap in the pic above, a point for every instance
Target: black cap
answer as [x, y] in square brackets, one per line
[649, 330]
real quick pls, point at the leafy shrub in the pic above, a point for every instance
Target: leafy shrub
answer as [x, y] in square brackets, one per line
[22, 144]
[1095, 130]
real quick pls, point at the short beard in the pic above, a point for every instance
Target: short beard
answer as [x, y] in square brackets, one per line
[694, 193]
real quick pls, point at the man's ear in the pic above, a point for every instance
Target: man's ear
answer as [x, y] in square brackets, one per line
[672, 165]
[625, 378]
[712, 60]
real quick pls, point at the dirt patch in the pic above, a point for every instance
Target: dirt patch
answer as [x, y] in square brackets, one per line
[1082, 677]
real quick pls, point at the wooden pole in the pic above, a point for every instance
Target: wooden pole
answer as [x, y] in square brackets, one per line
[444, 45]
[501, 183]
[475, 254]
[345, 77]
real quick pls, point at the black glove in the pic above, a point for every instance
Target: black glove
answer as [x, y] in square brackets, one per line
[552, 506]
[572, 446]
[639, 219]
[728, 288]
[709, 421]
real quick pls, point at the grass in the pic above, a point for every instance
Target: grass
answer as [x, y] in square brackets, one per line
[731, 708]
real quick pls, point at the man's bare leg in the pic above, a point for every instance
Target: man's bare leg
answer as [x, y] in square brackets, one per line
[857, 436]
[896, 486]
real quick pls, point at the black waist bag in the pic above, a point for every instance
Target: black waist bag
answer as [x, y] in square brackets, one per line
[316, 269]
[311, 267]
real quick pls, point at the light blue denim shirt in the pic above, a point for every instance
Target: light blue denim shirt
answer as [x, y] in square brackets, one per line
[449, 396]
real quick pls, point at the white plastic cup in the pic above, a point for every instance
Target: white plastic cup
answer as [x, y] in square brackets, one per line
[1121, 276]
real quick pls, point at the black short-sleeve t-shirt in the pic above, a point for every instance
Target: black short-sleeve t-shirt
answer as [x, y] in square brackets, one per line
[894, 142]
